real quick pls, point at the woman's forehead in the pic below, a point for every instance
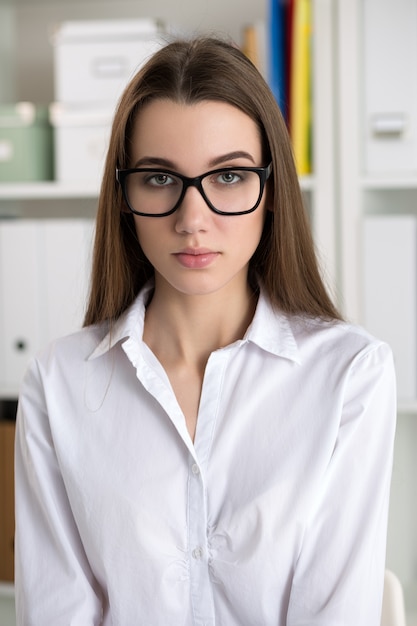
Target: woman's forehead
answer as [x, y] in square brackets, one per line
[206, 129]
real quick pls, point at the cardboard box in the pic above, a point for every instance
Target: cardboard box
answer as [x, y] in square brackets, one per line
[94, 60]
[81, 139]
[25, 143]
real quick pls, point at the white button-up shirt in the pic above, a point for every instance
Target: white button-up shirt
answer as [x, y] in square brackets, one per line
[276, 514]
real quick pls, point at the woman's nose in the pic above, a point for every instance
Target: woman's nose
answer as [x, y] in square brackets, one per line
[193, 213]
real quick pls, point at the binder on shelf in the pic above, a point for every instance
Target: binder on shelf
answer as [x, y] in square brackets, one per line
[289, 21]
[300, 85]
[254, 45]
[288, 69]
[277, 52]
[390, 292]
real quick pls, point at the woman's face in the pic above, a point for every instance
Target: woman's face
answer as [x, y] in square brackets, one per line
[195, 251]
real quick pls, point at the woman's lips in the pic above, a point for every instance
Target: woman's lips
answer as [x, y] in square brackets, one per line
[198, 258]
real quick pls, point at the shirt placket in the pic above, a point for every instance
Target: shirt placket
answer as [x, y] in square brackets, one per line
[200, 584]
[199, 556]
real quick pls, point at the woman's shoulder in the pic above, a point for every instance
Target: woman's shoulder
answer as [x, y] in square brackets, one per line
[71, 349]
[316, 337]
[337, 336]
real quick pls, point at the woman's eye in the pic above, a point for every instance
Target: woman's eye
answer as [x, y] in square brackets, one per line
[229, 178]
[160, 180]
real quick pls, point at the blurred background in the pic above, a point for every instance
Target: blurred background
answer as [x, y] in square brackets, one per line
[344, 76]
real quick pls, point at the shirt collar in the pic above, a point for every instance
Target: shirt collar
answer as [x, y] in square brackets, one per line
[129, 324]
[270, 329]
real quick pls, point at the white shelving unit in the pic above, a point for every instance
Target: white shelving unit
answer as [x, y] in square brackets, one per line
[359, 195]
[376, 184]
[45, 191]
[34, 22]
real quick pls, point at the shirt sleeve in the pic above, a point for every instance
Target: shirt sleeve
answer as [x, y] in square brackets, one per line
[338, 579]
[53, 581]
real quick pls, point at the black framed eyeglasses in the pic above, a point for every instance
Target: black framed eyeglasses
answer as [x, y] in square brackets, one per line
[226, 191]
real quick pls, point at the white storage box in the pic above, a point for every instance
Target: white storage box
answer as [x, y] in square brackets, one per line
[94, 60]
[81, 139]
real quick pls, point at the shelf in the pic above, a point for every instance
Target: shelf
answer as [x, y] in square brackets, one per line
[375, 183]
[60, 191]
[407, 408]
[46, 190]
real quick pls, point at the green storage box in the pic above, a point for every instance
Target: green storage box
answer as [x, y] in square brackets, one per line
[25, 143]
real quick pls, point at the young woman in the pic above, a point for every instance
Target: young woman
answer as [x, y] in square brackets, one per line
[215, 446]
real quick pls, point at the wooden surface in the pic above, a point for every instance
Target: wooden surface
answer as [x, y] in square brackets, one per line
[7, 431]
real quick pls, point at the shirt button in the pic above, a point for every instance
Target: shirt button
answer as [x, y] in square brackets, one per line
[197, 553]
[195, 469]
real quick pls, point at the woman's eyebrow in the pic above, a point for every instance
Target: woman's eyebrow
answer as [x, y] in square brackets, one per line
[230, 156]
[150, 161]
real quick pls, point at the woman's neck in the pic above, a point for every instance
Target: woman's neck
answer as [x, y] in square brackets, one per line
[182, 331]
[187, 329]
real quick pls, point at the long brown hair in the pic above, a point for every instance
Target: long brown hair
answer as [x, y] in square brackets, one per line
[285, 260]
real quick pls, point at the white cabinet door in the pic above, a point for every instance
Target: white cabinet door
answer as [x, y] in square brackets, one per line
[66, 261]
[44, 275]
[390, 86]
[20, 330]
[390, 296]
